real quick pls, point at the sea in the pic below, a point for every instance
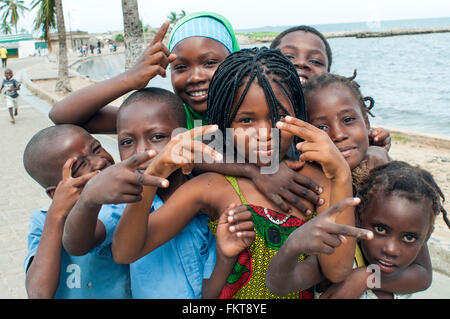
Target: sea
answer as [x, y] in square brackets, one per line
[408, 75]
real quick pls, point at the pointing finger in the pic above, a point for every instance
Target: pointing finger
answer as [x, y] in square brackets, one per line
[161, 33]
[136, 160]
[341, 206]
[82, 180]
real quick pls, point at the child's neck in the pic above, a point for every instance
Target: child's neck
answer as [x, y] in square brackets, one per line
[176, 179]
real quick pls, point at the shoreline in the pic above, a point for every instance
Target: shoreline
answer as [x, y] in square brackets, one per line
[264, 37]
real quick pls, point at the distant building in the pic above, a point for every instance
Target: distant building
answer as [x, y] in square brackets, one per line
[22, 45]
[74, 40]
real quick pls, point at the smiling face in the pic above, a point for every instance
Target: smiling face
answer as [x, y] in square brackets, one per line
[89, 153]
[335, 110]
[142, 127]
[191, 72]
[8, 74]
[253, 124]
[307, 52]
[400, 228]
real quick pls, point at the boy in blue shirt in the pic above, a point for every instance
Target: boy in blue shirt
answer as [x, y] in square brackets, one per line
[62, 159]
[177, 268]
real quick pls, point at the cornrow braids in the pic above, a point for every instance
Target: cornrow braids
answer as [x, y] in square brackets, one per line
[276, 42]
[324, 80]
[401, 178]
[269, 68]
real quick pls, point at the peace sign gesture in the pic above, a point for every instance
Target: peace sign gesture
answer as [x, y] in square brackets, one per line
[153, 61]
[120, 183]
[317, 147]
[183, 151]
[69, 189]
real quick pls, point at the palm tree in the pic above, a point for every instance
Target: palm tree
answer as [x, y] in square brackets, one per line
[63, 82]
[45, 20]
[50, 16]
[11, 9]
[132, 32]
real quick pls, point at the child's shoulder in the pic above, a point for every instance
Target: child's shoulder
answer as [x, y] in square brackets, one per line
[314, 171]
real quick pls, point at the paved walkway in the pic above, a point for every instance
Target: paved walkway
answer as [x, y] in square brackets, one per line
[20, 196]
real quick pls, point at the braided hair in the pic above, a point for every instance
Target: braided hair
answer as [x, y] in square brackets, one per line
[403, 179]
[269, 68]
[324, 80]
[276, 42]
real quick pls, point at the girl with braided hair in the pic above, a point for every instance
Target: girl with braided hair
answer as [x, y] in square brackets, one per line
[309, 51]
[252, 91]
[398, 204]
[336, 105]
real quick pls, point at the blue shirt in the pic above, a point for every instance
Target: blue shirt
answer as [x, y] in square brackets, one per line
[176, 269]
[92, 276]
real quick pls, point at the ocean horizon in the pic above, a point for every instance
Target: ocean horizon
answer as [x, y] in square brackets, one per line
[407, 75]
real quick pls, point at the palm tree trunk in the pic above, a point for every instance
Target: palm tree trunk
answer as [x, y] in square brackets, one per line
[63, 83]
[132, 32]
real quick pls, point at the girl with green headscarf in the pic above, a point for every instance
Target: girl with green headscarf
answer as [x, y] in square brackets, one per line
[200, 41]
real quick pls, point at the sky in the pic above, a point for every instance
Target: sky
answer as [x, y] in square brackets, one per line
[97, 16]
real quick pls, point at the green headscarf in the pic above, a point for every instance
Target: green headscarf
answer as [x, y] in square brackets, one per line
[191, 114]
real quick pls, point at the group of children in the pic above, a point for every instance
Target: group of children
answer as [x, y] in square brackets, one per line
[161, 225]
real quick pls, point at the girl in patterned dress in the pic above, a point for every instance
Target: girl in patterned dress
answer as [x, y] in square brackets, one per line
[252, 91]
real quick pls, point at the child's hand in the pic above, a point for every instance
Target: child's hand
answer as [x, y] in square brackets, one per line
[321, 235]
[69, 189]
[287, 186]
[317, 147]
[153, 61]
[351, 288]
[235, 231]
[120, 183]
[380, 137]
[182, 151]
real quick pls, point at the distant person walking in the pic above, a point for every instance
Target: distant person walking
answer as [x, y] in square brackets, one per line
[3, 56]
[99, 47]
[11, 87]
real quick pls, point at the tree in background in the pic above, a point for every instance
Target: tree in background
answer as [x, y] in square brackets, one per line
[45, 20]
[174, 17]
[132, 32]
[11, 9]
[50, 16]
[63, 82]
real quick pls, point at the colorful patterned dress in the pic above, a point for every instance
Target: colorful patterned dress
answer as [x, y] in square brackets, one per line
[247, 280]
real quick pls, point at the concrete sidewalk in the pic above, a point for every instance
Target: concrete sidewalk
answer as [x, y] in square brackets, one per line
[20, 196]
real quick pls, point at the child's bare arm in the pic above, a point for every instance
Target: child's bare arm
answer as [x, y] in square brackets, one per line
[235, 232]
[137, 233]
[319, 236]
[285, 187]
[318, 147]
[43, 273]
[89, 107]
[118, 183]
[416, 277]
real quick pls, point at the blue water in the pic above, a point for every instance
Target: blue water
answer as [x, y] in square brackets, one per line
[408, 76]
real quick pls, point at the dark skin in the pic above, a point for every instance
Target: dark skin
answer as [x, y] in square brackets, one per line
[77, 159]
[401, 229]
[308, 54]
[336, 111]
[142, 128]
[321, 235]
[8, 75]
[137, 233]
[43, 273]
[193, 63]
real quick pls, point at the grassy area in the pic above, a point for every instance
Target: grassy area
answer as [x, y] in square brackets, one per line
[399, 138]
